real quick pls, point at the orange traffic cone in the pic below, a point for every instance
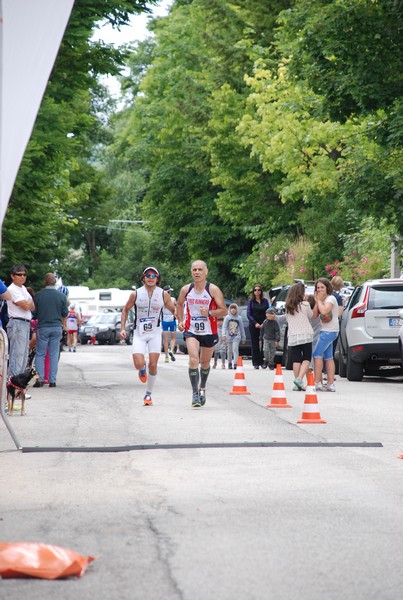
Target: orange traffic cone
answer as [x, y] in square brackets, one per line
[400, 456]
[311, 413]
[278, 398]
[239, 386]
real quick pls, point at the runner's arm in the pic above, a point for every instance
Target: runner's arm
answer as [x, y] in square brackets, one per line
[168, 303]
[221, 310]
[180, 307]
[129, 304]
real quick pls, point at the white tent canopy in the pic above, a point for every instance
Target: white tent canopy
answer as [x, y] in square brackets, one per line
[30, 36]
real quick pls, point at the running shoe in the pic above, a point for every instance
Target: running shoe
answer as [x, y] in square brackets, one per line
[171, 354]
[202, 397]
[167, 359]
[147, 400]
[143, 375]
[299, 384]
[319, 386]
[330, 387]
[196, 400]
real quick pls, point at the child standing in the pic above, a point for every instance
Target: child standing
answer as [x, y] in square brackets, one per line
[233, 332]
[219, 349]
[270, 336]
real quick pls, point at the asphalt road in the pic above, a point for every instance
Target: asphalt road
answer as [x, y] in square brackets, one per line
[231, 501]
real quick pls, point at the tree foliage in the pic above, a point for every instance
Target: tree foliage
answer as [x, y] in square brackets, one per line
[250, 131]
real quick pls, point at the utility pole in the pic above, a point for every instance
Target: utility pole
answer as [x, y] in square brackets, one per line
[395, 259]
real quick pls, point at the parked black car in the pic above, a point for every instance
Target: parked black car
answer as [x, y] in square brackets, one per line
[106, 328]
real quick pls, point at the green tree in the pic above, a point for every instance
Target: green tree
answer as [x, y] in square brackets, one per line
[38, 221]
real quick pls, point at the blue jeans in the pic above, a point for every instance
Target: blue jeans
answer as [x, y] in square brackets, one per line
[48, 338]
[324, 345]
[18, 339]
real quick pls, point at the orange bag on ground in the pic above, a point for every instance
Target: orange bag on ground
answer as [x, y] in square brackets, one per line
[30, 559]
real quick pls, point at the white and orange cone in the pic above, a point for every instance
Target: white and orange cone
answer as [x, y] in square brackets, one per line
[310, 413]
[239, 386]
[278, 398]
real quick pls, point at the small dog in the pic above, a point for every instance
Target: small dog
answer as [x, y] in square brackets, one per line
[16, 388]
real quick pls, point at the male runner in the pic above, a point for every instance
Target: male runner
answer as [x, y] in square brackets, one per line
[169, 328]
[148, 302]
[204, 303]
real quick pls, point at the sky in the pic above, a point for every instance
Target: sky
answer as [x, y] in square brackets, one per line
[136, 31]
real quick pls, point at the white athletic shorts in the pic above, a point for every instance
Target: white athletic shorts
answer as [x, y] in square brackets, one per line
[152, 341]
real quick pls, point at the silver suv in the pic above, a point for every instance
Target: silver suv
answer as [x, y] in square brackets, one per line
[369, 329]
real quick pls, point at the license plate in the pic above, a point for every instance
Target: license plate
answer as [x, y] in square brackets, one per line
[395, 322]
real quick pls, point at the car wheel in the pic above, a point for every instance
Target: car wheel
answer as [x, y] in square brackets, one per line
[112, 339]
[355, 371]
[342, 367]
[129, 339]
[83, 341]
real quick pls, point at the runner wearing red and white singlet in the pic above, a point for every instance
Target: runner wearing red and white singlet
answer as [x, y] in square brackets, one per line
[204, 303]
[148, 302]
[73, 321]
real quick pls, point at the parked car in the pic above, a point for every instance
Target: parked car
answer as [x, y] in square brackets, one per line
[106, 328]
[369, 329]
[283, 356]
[400, 338]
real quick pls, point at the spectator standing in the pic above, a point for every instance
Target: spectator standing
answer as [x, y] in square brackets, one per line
[233, 333]
[337, 283]
[51, 311]
[269, 337]
[300, 332]
[169, 328]
[256, 313]
[4, 296]
[315, 322]
[327, 309]
[19, 320]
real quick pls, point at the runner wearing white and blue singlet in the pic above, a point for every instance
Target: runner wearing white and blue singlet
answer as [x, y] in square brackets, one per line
[204, 303]
[148, 302]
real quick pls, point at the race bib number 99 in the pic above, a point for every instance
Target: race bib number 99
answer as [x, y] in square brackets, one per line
[146, 325]
[199, 324]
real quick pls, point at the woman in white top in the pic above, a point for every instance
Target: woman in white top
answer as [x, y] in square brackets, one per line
[300, 333]
[327, 309]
